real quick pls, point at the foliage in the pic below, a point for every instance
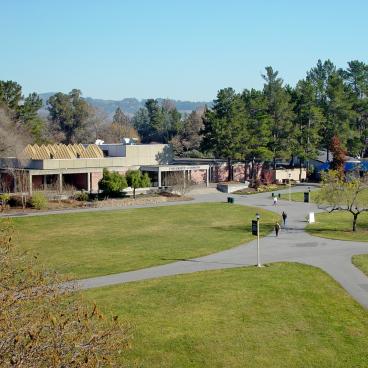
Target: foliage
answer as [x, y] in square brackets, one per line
[279, 113]
[343, 194]
[38, 201]
[19, 120]
[224, 132]
[189, 138]
[112, 183]
[338, 154]
[43, 324]
[157, 122]
[4, 200]
[82, 196]
[136, 179]
[68, 114]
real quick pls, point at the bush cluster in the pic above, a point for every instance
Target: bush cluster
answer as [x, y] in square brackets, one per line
[38, 201]
[112, 183]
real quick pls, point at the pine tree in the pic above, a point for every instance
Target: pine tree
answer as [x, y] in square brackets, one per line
[280, 114]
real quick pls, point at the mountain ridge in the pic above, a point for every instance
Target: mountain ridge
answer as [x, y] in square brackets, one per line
[130, 105]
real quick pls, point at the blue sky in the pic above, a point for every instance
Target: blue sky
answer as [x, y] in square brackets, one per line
[178, 49]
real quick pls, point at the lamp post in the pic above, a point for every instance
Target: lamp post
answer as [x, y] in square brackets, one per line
[258, 255]
[309, 191]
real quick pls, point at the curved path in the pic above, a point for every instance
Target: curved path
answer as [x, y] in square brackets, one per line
[292, 245]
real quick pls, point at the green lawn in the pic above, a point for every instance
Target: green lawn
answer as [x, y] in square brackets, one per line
[297, 196]
[361, 261]
[285, 315]
[338, 225]
[99, 243]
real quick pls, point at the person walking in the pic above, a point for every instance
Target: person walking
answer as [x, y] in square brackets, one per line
[277, 228]
[284, 217]
[275, 201]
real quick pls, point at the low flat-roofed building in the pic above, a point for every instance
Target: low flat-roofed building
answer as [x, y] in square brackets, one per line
[55, 167]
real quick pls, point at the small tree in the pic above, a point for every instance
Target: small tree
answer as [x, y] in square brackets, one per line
[338, 194]
[136, 179]
[112, 183]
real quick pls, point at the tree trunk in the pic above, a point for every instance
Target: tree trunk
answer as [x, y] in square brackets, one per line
[133, 192]
[229, 174]
[300, 170]
[355, 220]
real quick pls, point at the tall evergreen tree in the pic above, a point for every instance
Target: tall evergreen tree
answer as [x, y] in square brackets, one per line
[356, 78]
[225, 127]
[308, 121]
[280, 114]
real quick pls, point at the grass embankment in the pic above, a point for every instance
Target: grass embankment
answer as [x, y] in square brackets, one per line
[100, 243]
[285, 315]
[338, 225]
[361, 261]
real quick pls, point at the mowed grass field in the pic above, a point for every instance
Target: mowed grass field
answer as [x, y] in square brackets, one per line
[284, 315]
[338, 225]
[100, 243]
[298, 196]
[361, 261]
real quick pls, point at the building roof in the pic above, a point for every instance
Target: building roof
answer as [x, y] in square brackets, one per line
[61, 151]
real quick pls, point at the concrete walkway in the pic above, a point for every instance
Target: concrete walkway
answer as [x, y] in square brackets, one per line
[292, 245]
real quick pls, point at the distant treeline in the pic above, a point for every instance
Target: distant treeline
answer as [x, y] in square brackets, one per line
[277, 121]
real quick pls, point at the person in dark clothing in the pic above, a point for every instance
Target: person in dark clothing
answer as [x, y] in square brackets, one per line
[284, 217]
[277, 228]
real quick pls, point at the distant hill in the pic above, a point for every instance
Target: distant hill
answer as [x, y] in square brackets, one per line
[130, 105]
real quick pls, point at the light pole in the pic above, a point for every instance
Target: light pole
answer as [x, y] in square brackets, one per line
[309, 196]
[258, 255]
[289, 187]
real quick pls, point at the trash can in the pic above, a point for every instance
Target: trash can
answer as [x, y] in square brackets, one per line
[273, 194]
[306, 197]
[230, 200]
[279, 195]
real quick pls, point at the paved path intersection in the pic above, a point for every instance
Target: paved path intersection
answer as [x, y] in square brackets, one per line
[292, 245]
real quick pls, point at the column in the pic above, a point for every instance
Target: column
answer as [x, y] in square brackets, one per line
[184, 182]
[44, 182]
[15, 183]
[89, 181]
[207, 177]
[159, 177]
[60, 183]
[30, 184]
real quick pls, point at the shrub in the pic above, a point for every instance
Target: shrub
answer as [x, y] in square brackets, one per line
[112, 183]
[4, 199]
[82, 196]
[15, 201]
[38, 201]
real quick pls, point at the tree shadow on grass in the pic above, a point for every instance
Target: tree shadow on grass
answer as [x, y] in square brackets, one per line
[202, 261]
[243, 228]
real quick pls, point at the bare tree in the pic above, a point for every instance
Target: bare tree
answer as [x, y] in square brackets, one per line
[343, 194]
[13, 137]
[178, 183]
